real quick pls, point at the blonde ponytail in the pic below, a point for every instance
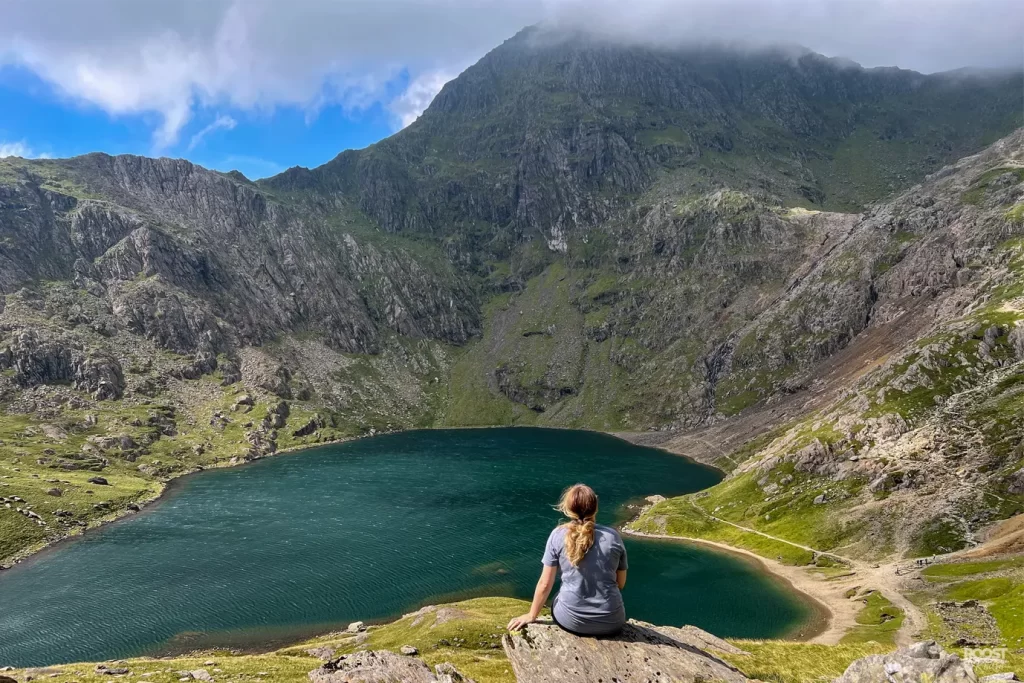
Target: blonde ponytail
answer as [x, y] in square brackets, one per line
[579, 504]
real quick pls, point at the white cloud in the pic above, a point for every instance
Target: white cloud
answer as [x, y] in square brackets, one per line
[149, 57]
[220, 123]
[20, 149]
[15, 149]
[408, 106]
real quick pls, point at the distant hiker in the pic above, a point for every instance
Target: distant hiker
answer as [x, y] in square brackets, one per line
[592, 559]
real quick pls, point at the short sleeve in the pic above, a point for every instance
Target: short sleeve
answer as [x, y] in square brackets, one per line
[551, 550]
[623, 562]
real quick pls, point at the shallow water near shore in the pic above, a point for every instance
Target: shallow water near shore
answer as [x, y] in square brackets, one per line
[367, 530]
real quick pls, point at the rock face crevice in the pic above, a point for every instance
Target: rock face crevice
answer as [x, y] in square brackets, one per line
[544, 653]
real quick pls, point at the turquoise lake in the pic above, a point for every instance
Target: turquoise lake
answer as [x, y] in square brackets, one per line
[367, 530]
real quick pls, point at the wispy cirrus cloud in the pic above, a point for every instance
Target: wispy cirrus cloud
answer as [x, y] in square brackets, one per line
[222, 122]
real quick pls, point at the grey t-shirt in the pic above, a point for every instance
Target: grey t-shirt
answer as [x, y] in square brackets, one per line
[589, 601]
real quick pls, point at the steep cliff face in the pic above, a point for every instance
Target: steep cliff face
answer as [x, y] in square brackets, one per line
[551, 134]
[180, 252]
[575, 233]
[915, 446]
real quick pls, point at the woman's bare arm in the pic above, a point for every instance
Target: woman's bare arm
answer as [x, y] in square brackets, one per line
[620, 578]
[540, 596]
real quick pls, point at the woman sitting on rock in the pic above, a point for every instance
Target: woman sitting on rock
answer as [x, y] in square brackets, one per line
[592, 559]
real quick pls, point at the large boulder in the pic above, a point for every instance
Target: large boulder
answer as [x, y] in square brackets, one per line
[924, 661]
[382, 666]
[545, 653]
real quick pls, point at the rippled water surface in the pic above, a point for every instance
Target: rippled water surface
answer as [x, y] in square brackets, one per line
[365, 530]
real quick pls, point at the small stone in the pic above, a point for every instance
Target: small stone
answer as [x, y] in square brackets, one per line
[201, 675]
[356, 627]
[56, 492]
[99, 481]
[117, 671]
[408, 650]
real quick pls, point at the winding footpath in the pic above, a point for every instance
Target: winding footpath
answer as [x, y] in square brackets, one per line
[830, 593]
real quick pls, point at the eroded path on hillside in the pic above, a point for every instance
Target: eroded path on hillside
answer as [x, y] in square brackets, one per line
[831, 592]
[882, 577]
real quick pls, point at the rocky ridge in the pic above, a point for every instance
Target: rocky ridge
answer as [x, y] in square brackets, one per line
[574, 234]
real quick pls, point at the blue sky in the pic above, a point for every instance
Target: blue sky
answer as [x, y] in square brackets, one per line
[257, 142]
[262, 85]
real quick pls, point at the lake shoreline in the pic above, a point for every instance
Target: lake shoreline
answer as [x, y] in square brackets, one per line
[167, 489]
[832, 618]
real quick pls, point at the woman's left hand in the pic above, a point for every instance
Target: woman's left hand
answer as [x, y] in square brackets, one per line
[520, 622]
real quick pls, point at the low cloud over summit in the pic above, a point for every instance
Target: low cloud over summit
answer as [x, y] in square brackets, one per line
[174, 59]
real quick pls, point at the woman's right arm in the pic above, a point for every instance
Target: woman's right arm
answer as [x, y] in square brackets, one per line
[540, 597]
[620, 578]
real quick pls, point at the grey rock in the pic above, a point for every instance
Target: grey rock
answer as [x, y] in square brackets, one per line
[38, 358]
[375, 666]
[356, 627]
[924, 661]
[447, 673]
[1016, 482]
[277, 415]
[1017, 341]
[311, 426]
[111, 671]
[408, 650]
[201, 675]
[230, 373]
[323, 653]
[998, 678]
[544, 653]
[99, 481]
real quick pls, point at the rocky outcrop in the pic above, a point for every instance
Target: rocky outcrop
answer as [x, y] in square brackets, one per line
[544, 653]
[1015, 482]
[382, 666]
[924, 661]
[1017, 341]
[39, 359]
